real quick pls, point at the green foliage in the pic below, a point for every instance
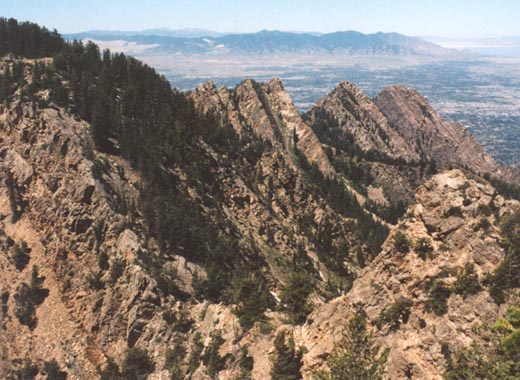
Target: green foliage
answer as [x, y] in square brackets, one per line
[498, 283]
[94, 280]
[507, 275]
[28, 297]
[117, 267]
[345, 203]
[110, 372]
[21, 255]
[287, 360]
[401, 242]
[245, 362]
[397, 313]
[423, 248]
[195, 353]
[181, 323]
[467, 282]
[25, 309]
[508, 190]
[27, 39]
[454, 211]
[173, 359]
[295, 297]
[497, 359]
[137, 365]
[15, 202]
[484, 210]
[4, 298]
[356, 357]
[250, 293]
[103, 261]
[212, 360]
[28, 371]
[483, 224]
[53, 371]
[438, 295]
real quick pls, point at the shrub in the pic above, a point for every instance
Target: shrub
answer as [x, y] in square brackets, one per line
[116, 270]
[20, 256]
[484, 210]
[401, 242]
[507, 275]
[94, 280]
[195, 353]
[467, 282]
[53, 371]
[27, 372]
[211, 358]
[137, 365]
[454, 211]
[423, 248]
[295, 297]
[110, 372]
[245, 363]
[27, 298]
[174, 357]
[356, 357]
[438, 294]
[287, 360]
[4, 298]
[483, 224]
[396, 314]
[498, 359]
[24, 308]
[250, 293]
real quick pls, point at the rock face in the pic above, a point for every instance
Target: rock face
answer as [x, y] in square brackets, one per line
[99, 261]
[397, 138]
[268, 111]
[456, 241]
[112, 287]
[428, 134]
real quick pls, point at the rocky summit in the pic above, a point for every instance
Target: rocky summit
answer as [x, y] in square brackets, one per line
[147, 233]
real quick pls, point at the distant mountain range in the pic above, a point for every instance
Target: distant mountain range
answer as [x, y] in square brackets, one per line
[197, 41]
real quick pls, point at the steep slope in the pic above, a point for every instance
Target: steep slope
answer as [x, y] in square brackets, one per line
[427, 133]
[270, 113]
[143, 229]
[127, 266]
[395, 141]
[456, 242]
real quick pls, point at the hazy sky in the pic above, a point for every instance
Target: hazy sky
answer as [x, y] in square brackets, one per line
[449, 18]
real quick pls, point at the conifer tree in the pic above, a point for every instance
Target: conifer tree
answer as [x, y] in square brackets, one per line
[287, 361]
[356, 357]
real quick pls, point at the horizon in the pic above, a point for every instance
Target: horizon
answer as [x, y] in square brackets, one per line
[446, 19]
[315, 32]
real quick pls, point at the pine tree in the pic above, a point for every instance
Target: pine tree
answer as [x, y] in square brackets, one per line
[356, 357]
[287, 361]
[295, 297]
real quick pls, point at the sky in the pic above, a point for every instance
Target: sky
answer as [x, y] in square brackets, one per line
[445, 18]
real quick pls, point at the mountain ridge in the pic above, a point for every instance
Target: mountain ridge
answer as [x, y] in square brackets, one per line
[265, 41]
[149, 233]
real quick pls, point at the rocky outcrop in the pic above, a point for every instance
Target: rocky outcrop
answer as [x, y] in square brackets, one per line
[104, 271]
[428, 134]
[359, 121]
[397, 137]
[112, 287]
[268, 111]
[456, 241]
